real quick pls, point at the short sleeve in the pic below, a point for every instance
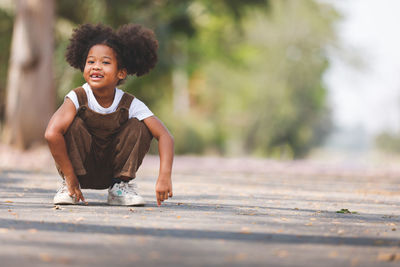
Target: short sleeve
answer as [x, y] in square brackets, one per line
[139, 110]
[74, 98]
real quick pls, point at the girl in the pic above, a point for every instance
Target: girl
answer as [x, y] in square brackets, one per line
[100, 135]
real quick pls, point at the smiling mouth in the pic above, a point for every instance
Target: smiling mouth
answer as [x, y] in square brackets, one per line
[96, 76]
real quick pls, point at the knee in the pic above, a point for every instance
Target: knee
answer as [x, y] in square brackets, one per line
[138, 126]
[144, 131]
[134, 131]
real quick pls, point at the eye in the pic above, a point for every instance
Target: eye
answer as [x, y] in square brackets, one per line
[90, 61]
[106, 62]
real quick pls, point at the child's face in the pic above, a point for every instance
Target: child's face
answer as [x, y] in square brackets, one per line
[101, 68]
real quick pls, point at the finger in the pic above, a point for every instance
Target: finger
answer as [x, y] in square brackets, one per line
[83, 199]
[72, 192]
[78, 195]
[158, 200]
[170, 194]
[165, 195]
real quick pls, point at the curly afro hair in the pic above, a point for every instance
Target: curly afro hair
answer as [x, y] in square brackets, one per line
[135, 46]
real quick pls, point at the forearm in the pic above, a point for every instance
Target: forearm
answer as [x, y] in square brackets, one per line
[58, 149]
[166, 152]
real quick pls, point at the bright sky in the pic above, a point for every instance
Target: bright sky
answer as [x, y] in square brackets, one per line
[369, 97]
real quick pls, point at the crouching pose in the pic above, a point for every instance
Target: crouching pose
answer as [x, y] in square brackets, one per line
[100, 134]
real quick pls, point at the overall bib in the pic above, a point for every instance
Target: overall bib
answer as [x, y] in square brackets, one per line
[105, 146]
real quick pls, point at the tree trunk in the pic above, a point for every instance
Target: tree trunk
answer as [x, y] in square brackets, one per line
[30, 93]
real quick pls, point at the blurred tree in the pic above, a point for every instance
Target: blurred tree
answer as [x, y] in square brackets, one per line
[267, 85]
[30, 91]
[6, 26]
[233, 77]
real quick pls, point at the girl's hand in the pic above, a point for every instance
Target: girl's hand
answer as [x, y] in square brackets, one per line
[74, 189]
[163, 189]
[166, 151]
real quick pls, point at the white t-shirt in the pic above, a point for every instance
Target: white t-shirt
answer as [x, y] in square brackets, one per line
[137, 109]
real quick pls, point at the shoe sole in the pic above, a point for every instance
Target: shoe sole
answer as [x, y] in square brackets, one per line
[64, 202]
[120, 202]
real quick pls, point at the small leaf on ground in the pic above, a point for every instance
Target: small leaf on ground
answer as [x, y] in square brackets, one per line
[346, 211]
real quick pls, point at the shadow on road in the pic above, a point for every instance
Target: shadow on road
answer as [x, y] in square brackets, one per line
[200, 234]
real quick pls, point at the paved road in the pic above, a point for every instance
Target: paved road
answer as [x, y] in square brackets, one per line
[225, 212]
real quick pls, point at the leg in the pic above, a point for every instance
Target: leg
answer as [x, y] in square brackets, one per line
[131, 145]
[90, 173]
[78, 141]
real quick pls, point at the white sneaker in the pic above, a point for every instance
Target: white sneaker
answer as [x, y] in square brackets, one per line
[62, 196]
[124, 194]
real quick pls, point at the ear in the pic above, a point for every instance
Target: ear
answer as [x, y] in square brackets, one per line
[122, 74]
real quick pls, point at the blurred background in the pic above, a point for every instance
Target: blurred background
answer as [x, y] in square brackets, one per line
[267, 78]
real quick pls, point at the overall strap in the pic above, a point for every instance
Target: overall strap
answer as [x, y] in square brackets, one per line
[82, 97]
[125, 101]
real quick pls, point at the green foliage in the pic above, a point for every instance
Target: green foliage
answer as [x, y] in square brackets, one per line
[253, 69]
[266, 83]
[6, 26]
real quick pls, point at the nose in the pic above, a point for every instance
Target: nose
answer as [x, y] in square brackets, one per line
[96, 66]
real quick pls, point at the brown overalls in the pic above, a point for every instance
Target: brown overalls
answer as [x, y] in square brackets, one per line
[105, 146]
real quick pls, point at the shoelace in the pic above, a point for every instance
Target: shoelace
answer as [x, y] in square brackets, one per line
[63, 188]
